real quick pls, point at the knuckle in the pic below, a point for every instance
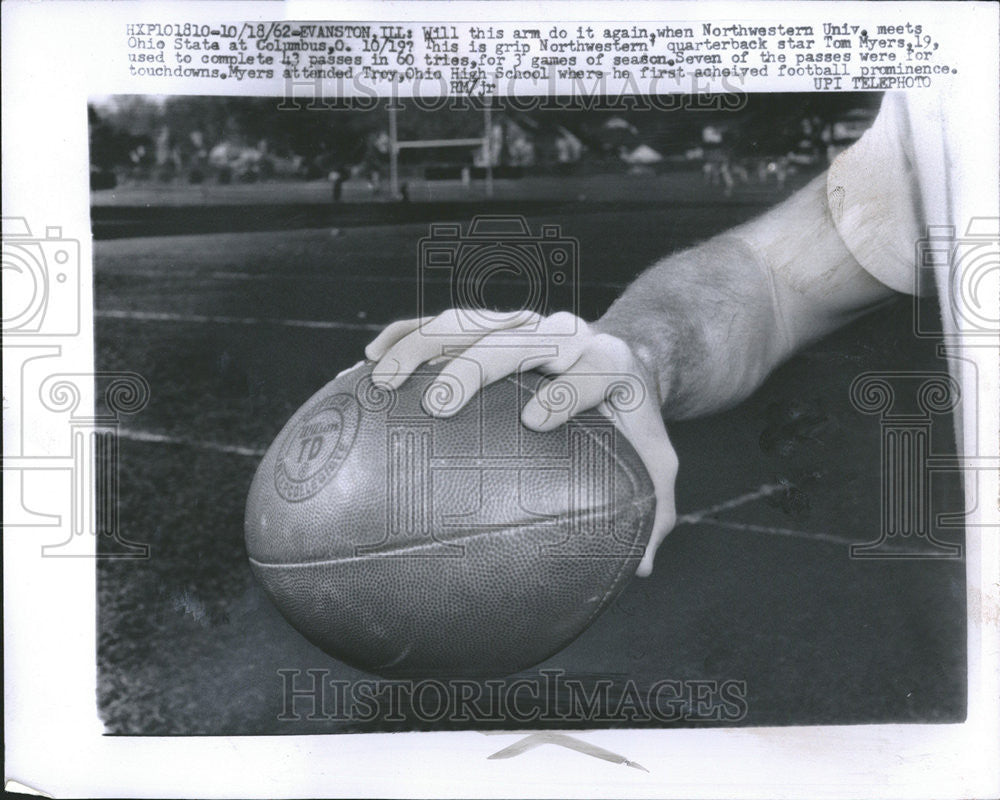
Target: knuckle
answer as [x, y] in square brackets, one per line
[442, 320]
[564, 358]
[531, 318]
[560, 365]
[465, 369]
[505, 320]
[611, 346]
[563, 320]
[448, 321]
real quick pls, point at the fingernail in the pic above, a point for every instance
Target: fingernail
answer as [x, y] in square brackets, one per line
[443, 398]
[534, 417]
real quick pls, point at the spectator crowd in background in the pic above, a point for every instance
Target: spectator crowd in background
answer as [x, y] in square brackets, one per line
[139, 139]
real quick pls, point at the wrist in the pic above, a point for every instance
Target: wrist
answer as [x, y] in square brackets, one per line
[643, 360]
[700, 323]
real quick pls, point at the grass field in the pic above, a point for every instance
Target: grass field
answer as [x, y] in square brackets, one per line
[234, 330]
[590, 187]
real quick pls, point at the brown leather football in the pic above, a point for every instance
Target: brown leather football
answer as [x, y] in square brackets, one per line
[406, 544]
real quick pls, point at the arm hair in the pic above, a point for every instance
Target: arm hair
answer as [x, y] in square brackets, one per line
[711, 322]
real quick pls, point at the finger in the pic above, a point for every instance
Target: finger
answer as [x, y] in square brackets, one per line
[432, 338]
[588, 372]
[390, 335]
[491, 358]
[558, 400]
[663, 523]
[479, 366]
[421, 343]
[642, 426]
[644, 429]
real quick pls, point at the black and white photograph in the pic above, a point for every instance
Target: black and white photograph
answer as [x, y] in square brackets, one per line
[585, 407]
[447, 535]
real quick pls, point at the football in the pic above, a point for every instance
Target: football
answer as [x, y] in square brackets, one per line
[411, 545]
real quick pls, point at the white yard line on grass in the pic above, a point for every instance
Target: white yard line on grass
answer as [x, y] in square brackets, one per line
[229, 275]
[747, 527]
[702, 517]
[706, 516]
[158, 438]
[162, 316]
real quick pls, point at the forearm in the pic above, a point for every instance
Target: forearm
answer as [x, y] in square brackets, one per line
[710, 323]
[702, 323]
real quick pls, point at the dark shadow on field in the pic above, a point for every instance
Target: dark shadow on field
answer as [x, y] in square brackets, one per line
[265, 207]
[764, 595]
[116, 222]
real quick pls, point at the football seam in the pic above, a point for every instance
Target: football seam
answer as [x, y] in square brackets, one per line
[518, 381]
[633, 478]
[614, 587]
[402, 551]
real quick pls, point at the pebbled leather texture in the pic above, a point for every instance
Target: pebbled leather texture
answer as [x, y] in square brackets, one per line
[408, 545]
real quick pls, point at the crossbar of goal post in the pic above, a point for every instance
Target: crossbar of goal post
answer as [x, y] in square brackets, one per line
[395, 146]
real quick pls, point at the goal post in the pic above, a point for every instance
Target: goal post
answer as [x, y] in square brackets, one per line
[395, 146]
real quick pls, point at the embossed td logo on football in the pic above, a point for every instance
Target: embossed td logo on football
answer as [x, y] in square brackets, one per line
[315, 448]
